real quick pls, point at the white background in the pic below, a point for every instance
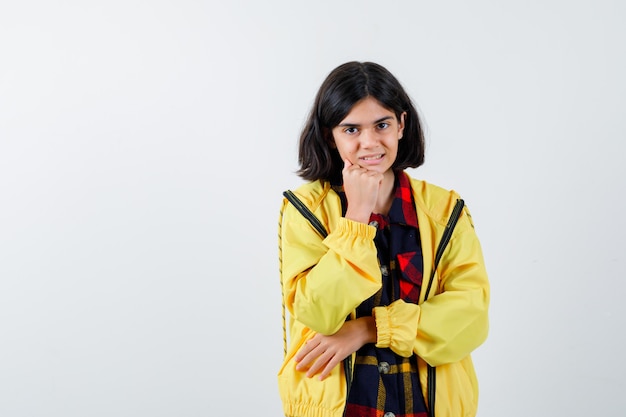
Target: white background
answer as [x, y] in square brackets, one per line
[144, 147]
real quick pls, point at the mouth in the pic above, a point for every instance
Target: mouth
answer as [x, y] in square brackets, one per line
[372, 157]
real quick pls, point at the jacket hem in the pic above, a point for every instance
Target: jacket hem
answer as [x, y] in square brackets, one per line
[310, 410]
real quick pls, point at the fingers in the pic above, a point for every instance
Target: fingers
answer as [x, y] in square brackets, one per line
[321, 354]
[361, 187]
[315, 357]
[312, 357]
[323, 361]
[306, 354]
[318, 364]
[329, 367]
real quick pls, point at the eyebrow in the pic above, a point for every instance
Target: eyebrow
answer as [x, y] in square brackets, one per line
[382, 119]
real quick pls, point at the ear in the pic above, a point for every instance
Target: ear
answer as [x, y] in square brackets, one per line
[401, 125]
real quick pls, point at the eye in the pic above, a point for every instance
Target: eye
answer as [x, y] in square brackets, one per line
[383, 125]
[351, 130]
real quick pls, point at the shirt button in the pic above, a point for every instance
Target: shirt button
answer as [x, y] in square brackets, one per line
[389, 414]
[384, 269]
[374, 223]
[384, 368]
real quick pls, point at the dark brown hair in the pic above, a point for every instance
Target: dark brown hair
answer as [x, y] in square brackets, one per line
[341, 90]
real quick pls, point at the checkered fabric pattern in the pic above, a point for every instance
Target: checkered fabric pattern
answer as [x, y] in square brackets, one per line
[386, 384]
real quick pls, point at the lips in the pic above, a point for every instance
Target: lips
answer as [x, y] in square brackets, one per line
[372, 157]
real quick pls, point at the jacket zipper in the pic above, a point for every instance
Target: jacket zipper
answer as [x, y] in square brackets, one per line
[447, 234]
[347, 368]
[306, 212]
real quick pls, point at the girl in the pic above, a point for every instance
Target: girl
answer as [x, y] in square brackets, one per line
[364, 325]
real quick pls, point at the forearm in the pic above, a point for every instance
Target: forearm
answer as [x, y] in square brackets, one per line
[451, 324]
[434, 331]
[324, 280]
[322, 353]
[367, 329]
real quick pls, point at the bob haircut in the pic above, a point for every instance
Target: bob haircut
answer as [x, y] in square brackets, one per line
[346, 85]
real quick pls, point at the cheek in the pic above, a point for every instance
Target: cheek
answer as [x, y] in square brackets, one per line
[342, 153]
[347, 151]
[343, 147]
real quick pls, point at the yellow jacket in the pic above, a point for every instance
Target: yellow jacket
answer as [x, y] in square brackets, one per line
[324, 280]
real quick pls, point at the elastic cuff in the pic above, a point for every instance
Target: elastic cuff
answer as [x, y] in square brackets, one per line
[383, 327]
[357, 228]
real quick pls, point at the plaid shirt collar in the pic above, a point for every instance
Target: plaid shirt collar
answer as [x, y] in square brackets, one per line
[402, 208]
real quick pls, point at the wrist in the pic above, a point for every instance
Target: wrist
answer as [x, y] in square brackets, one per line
[361, 217]
[369, 329]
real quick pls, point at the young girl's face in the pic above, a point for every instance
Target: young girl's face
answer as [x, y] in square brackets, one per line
[368, 136]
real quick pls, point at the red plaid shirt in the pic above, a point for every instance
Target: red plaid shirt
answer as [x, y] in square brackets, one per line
[385, 382]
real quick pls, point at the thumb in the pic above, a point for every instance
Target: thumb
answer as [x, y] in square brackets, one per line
[346, 163]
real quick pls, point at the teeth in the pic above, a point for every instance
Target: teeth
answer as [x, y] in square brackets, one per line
[373, 157]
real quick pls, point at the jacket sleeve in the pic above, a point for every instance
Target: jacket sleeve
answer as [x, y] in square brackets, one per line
[325, 279]
[450, 325]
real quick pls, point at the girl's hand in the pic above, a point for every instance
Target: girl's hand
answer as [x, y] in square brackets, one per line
[361, 187]
[322, 353]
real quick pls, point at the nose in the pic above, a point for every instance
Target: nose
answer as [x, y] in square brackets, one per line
[368, 138]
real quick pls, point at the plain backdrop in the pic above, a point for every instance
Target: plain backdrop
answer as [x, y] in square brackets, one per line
[144, 147]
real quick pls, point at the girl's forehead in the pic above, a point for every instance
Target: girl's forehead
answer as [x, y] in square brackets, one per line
[368, 108]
